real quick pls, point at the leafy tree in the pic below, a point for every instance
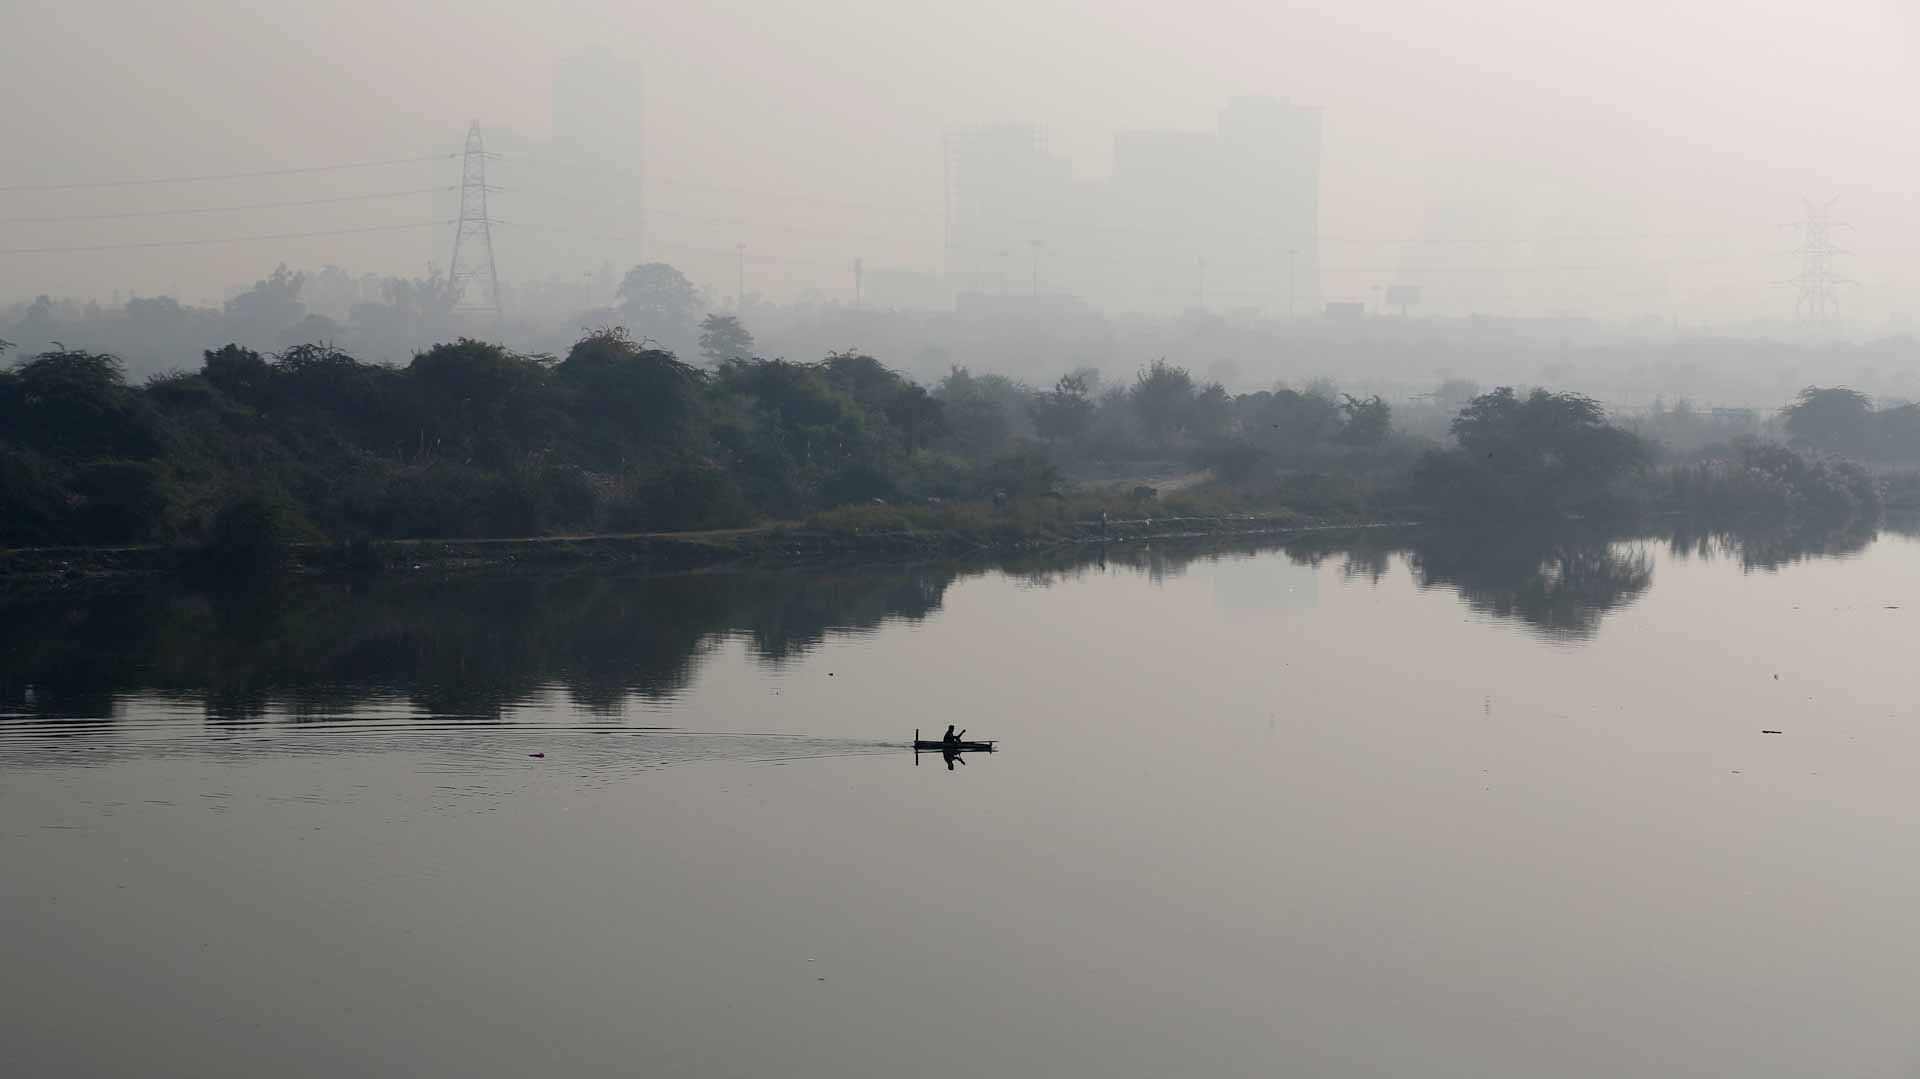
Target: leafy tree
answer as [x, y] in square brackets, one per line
[1897, 433]
[722, 337]
[1163, 395]
[658, 302]
[1545, 453]
[629, 397]
[914, 415]
[34, 509]
[984, 414]
[257, 315]
[1368, 422]
[1212, 411]
[411, 313]
[312, 330]
[251, 537]
[240, 373]
[809, 420]
[480, 400]
[1063, 413]
[1837, 419]
[1758, 482]
[76, 404]
[1287, 421]
[118, 501]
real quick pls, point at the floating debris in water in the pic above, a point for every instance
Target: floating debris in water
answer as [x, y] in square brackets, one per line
[536, 754]
[1769, 732]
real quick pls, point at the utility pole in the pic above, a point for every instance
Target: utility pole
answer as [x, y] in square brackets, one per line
[1817, 303]
[858, 269]
[1036, 267]
[472, 264]
[1203, 283]
[739, 276]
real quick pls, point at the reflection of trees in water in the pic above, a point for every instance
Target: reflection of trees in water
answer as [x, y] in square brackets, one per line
[1561, 587]
[450, 647]
[1769, 548]
[472, 646]
[1371, 563]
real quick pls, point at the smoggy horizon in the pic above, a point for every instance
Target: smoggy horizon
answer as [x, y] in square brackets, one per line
[1507, 160]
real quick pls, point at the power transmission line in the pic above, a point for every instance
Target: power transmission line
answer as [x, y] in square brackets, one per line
[730, 189]
[188, 211]
[156, 180]
[600, 235]
[219, 239]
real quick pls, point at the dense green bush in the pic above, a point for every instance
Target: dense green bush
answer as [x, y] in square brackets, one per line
[681, 496]
[251, 537]
[1765, 482]
[1542, 455]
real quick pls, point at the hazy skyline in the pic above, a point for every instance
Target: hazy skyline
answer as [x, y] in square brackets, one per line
[1658, 147]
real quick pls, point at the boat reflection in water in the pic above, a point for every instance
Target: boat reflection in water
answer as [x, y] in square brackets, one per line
[950, 750]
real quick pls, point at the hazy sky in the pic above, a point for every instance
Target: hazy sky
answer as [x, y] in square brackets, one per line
[1669, 139]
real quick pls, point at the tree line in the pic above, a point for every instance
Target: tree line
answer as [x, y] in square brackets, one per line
[470, 439]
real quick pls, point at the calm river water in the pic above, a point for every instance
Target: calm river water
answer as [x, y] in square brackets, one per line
[1442, 807]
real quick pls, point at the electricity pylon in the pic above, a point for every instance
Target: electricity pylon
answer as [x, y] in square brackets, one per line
[473, 276]
[1818, 303]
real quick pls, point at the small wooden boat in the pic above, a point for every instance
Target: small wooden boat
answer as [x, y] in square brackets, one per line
[922, 745]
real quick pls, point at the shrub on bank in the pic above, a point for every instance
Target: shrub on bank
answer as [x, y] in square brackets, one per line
[1768, 481]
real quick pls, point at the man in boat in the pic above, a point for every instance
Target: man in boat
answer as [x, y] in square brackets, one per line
[951, 738]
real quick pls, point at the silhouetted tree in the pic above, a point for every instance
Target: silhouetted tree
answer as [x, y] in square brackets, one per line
[1063, 413]
[629, 397]
[1836, 419]
[1543, 454]
[1163, 394]
[257, 316]
[658, 302]
[481, 402]
[722, 337]
[240, 373]
[984, 414]
[76, 404]
[1369, 422]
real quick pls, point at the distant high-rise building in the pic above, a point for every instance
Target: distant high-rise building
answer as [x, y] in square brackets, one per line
[597, 126]
[1220, 219]
[1007, 196]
